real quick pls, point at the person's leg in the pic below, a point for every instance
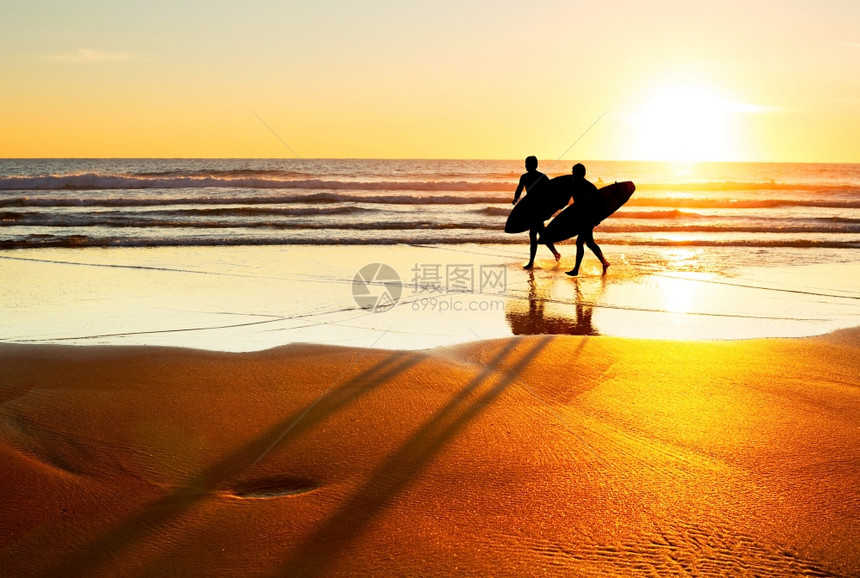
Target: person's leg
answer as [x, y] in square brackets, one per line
[580, 251]
[550, 246]
[533, 243]
[589, 240]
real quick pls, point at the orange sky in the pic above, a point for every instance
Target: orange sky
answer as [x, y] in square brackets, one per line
[728, 80]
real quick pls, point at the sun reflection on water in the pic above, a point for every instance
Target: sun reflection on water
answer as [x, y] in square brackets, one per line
[678, 295]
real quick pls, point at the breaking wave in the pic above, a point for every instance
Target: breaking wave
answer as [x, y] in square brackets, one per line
[94, 181]
[277, 179]
[395, 199]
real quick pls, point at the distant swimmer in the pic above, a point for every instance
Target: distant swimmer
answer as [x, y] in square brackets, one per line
[585, 196]
[534, 183]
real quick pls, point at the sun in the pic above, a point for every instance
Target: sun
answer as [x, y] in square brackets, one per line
[683, 123]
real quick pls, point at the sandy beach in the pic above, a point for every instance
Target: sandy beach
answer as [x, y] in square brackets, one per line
[430, 289]
[237, 411]
[555, 455]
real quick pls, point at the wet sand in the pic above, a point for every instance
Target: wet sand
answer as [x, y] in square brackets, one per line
[256, 298]
[558, 455]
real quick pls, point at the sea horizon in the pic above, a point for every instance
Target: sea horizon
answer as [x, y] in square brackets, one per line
[173, 202]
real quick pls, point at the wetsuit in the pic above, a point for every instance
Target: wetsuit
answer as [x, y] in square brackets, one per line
[585, 196]
[531, 181]
[534, 183]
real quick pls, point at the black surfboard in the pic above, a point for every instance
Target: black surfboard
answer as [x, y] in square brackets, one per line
[539, 206]
[575, 219]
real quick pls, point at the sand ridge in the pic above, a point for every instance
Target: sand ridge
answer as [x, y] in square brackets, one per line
[530, 455]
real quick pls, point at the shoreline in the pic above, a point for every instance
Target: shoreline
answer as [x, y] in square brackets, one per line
[254, 298]
[837, 336]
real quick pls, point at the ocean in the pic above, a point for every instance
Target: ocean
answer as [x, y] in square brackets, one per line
[215, 202]
[245, 254]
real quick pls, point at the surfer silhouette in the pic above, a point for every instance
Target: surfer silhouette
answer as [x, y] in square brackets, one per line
[585, 196]
[534, 182]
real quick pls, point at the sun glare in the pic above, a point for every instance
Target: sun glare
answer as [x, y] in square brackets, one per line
[684, 123]
[679, 295]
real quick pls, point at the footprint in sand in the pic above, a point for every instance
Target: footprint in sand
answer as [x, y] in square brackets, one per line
[274, 487]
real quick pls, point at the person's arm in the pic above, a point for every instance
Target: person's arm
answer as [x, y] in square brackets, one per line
[519, 191]
[583, 191]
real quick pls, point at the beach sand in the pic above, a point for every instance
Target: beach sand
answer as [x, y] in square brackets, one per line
[565, 455]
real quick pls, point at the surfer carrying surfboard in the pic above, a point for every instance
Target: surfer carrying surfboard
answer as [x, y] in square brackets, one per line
[534, 183]
[585, 197]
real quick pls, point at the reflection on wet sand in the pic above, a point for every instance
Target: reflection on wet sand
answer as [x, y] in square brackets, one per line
[566, 316]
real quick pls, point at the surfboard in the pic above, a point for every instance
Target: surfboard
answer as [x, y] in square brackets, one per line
[540, 205]
[573, 220]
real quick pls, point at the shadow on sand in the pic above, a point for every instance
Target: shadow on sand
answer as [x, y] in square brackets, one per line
[315, 554]
[228, 471]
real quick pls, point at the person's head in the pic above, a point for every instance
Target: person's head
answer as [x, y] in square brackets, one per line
[578, 171]
[531, 163]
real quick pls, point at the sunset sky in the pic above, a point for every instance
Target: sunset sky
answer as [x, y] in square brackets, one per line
[739, 80]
